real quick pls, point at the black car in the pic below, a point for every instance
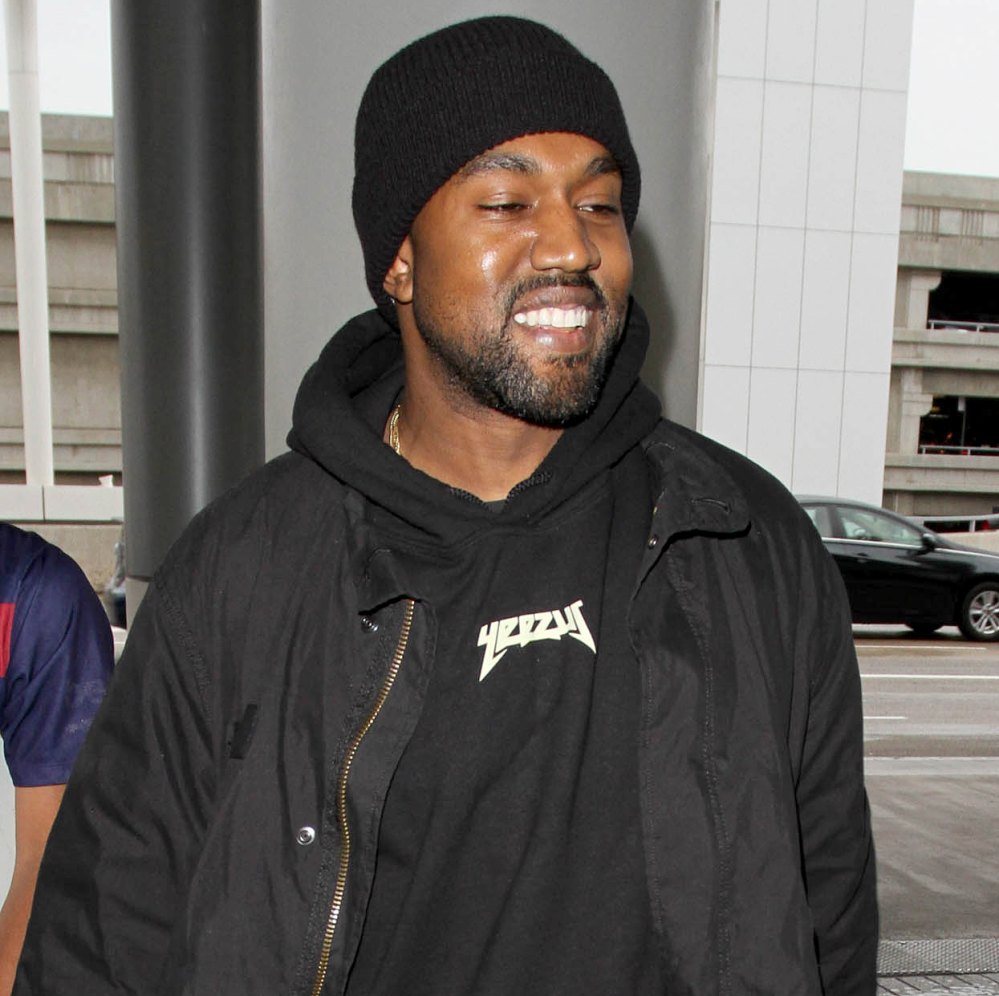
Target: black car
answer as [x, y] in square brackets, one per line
[897, 572]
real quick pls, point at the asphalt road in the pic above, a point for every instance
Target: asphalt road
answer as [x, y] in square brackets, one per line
[931, 709]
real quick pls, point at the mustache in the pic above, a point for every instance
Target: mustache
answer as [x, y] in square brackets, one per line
[544, 281]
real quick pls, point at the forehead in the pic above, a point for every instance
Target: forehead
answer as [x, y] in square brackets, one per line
[536, 155]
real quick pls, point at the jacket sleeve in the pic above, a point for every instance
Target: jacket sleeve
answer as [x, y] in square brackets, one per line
[123, 845]
[837, 846]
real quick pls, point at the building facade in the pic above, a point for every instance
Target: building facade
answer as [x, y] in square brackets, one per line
[942, 448]
[83, 323]
[78, 167]
[803, 237]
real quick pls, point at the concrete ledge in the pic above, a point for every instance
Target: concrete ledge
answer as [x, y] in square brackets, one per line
[21, 502]
[967, 475]
[61, 502]
[83, 503]
[943, 349]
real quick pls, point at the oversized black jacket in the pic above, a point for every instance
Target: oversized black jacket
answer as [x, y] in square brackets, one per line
[219, 831]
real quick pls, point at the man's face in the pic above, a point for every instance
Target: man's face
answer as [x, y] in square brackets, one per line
[521, 269]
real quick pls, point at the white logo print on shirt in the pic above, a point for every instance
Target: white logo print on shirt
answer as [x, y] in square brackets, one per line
[518, 631]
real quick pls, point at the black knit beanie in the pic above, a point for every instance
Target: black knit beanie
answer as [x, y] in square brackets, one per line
[448, 97]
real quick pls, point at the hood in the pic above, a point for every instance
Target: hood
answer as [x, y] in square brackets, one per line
[347, 394]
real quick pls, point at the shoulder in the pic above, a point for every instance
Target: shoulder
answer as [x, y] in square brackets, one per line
[777, 536]
[674, 449]
[30, 565]
[281, 498]
[259, 532]
[19, 550]
[244, 565]
[777, 554]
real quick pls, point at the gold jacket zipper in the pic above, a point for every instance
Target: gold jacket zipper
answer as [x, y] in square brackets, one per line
[341, 799]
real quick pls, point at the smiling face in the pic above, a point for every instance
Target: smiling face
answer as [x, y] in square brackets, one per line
[514, 280]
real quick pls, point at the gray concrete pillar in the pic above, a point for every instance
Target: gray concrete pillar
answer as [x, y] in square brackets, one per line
[912, 303]
[187, 140]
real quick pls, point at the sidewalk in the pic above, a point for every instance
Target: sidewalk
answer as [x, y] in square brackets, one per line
[965, 966]
[939, 985]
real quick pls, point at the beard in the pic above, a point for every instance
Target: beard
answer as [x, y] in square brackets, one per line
[490, 368]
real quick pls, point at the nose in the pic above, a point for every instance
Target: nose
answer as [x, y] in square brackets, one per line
[563, 242]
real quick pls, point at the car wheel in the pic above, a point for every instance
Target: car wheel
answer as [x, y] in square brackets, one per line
[980, 612]
[924, 629]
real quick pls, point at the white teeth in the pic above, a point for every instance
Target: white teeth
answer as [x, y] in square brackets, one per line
[556, 318]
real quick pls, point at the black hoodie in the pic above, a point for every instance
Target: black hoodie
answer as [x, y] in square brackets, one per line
[517, 798]
[346, 396]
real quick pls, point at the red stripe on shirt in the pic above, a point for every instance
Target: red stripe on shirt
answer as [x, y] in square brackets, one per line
[6, 625]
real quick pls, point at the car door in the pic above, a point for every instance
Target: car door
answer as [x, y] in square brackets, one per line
[893, 576]
[826, 520]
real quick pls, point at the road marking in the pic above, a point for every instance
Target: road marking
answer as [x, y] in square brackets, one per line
[885, 717]
[936, 677]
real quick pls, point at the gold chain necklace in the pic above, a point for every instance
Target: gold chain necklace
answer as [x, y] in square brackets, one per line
[393, 429]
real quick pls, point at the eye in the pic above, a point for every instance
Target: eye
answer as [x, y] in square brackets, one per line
[611, 209]
[503, 207]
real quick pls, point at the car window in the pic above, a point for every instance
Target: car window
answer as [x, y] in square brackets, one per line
[863, 524]
[821, 519]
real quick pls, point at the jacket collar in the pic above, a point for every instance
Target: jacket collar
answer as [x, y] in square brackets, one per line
[694, 492]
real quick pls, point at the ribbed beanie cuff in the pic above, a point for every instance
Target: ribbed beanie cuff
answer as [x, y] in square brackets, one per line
[453, 94]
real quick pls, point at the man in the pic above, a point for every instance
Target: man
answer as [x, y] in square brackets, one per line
[56, 656]
[496, 683]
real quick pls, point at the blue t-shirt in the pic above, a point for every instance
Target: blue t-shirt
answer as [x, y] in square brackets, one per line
[56, 656]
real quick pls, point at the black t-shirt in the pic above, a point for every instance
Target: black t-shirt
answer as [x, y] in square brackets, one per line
[510, 853]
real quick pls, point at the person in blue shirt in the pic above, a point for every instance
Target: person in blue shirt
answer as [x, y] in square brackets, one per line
[56, 656]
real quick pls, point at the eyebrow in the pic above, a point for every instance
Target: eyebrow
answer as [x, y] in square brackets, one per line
[490, 162]
[601, 166]
[514, 162]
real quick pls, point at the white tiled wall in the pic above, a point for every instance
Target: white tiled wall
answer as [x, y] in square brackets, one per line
[832, 166]
[817, 427]
[777, 304]
[839, 42]
[825, 300]
[732, 261]
[787, 109]
[873, 270]
[770, 435]
[803, 237]
[790, 40]
[729, 416]
[738, 136]
[888, 29]
[865, 414]
[878, 201]
[742, 40]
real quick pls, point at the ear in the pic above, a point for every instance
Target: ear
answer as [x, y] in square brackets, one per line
[399, 279]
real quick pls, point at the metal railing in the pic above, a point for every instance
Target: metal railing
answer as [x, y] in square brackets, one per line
[945, 324]
[959, 523]
[940, 449]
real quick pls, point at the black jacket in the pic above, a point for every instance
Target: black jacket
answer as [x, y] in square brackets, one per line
[219, 831]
